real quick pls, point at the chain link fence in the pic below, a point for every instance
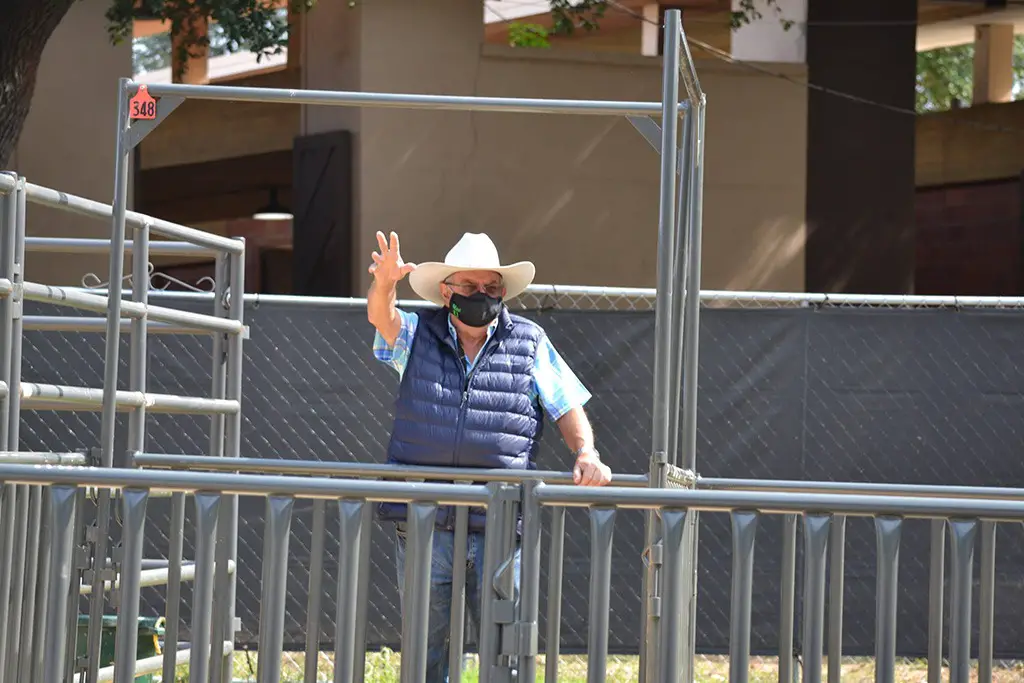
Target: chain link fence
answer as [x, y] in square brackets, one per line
[903, 390]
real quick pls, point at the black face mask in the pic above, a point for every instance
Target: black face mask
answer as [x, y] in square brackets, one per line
[477, 310]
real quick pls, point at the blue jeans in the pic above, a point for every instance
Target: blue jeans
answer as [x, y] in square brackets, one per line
[441, 566]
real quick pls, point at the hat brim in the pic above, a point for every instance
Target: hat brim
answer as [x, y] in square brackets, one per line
[426, 279]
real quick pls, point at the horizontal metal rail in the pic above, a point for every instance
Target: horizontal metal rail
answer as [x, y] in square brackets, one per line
[36, 395]
[45, 196]
[160, 576]
[248, 484]
[506, 105]
[30, 458]
[779, 502]
[98, 303]
[78, 245]
[707, 296]
[61, 323]
[151, 665]
[861, 488]
[363, 470]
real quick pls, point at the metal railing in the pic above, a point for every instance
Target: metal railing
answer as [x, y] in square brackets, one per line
[96, 565]
[510, 614]
[969, 513]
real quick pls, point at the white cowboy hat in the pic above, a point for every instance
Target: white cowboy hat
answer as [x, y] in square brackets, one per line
[475, 251]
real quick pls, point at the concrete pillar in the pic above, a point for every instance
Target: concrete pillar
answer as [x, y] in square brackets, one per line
[860, 155]
[68, 139]
[993, 63]
[430, 47]
[779, 35]
[651, 33]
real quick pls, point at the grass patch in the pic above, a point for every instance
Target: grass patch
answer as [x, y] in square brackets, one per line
[384, 667]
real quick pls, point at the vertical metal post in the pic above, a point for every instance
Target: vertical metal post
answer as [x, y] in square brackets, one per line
[962, 534]
[836, 561]
[365, 536]
[34, 494]
[15, 620]
[17, 324]
[80, 536]
[275, 587]
[60, 514]
[207, 514]
[887, 537]
[815, 552]
[215, 449]
[670, 661]
[172, 616]
[744, 532]
[350, 513]
[421, 518]
[787, 599]
[8, 248]
[9, 495]
[233, 446]
[315, 586]
[127, 637]
[488, 638]
[456, 639]
[553, 630]
[108, 420]
[19, 627]
[529, 597]
[936, 585]
[37, 651]
[138, 342]
[679, 271]
[691, 317]
[602, 527]
[662, 327]
[986, 608]
[7, 524]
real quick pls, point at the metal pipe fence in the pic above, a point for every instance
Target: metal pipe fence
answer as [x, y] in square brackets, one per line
[97, 565]
[509, 638]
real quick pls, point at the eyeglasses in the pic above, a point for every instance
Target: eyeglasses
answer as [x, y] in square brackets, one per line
[470, 288]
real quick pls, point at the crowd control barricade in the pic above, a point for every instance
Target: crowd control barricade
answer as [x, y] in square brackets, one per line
[509, 630]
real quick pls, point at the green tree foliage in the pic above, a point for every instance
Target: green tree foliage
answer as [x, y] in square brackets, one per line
[569, 16]
[946, 75]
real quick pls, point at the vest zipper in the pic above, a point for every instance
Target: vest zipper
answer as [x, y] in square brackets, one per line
[467, 380]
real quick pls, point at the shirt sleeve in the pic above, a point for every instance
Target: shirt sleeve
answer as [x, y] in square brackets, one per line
[558, 388]
[397, 357]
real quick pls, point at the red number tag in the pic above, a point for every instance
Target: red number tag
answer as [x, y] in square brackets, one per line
[142, 105]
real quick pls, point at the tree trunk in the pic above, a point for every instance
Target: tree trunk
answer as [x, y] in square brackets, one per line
[25, 27]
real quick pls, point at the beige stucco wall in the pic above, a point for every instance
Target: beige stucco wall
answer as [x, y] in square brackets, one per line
[578, 195]
[68, 140]
[968, 145]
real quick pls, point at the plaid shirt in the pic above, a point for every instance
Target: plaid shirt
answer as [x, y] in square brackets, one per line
[554, 383]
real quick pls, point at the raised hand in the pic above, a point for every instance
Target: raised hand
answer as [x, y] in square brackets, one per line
[387, 267]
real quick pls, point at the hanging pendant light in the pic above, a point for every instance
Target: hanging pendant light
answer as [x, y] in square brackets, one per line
[274, 211]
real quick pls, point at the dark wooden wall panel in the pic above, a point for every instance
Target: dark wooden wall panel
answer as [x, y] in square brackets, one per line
[224, 189]
[322, 204]
[969, 239]
[860, 152]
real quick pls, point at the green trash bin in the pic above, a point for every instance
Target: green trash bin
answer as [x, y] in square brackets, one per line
[150, 630]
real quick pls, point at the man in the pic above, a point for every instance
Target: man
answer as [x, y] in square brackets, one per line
[475, 382]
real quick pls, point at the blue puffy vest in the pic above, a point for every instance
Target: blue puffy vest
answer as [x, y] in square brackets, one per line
[486, 419]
